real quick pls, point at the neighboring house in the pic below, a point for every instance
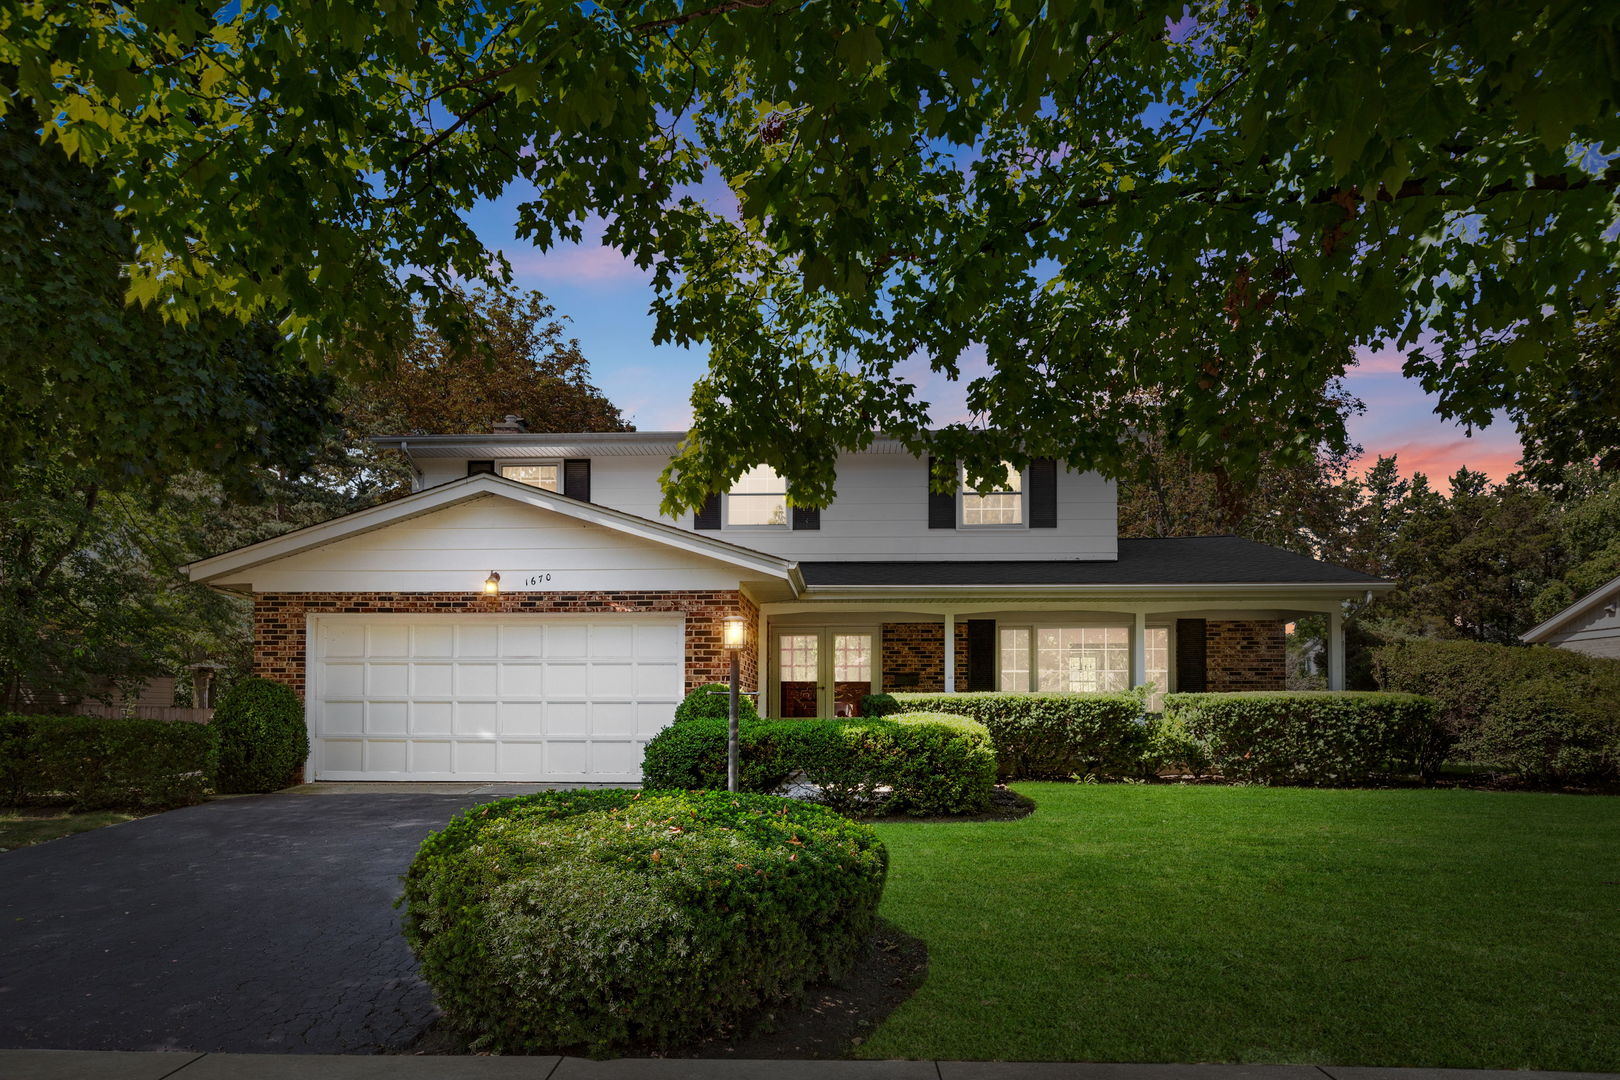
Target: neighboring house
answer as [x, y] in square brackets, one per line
[1590, 625]
[607, 613]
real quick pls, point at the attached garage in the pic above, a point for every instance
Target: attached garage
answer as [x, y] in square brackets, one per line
[490, 697]
[593, 626]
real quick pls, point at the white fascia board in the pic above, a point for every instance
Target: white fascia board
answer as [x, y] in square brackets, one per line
[1601, 595]
[1268, 587]
[457, 491]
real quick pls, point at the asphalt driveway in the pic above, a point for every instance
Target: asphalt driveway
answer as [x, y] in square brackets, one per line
[260, 924]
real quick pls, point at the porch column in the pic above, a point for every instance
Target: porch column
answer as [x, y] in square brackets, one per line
[1139, 649]
[950, 654]
[1335, 650]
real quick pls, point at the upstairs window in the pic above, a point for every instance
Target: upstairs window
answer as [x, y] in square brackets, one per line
[999, 502]
[547, 476]
[759, 497]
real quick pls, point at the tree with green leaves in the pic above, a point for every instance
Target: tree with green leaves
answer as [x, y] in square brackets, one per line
[1193, 212]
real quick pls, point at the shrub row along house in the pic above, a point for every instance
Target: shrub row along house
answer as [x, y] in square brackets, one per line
[526, 613]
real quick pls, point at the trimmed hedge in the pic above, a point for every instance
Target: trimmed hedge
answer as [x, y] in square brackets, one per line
[928, 763]
[712, 701]
[620, 920]
[1042, 736]
[1312, 737]
[103, 764]
[1540, 712]
[262, 737]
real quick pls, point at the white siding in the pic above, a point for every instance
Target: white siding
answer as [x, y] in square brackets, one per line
[452, 550]
[880, 513]
[1596, 634]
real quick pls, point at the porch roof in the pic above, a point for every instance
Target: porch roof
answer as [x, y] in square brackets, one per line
[1190, 560]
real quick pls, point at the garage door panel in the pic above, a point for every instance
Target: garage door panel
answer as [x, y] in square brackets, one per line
[433, 717]
[433, 641]
[387, 718]
[476, 758]
[568, 680]
[344, 680]
[519, 759]
[520, 642]
[477, 681]
[491, 697]
[388, 681]
[572, 718]
[431, 757]
[613, 718]
[386, 639]
[434, 680]
[478, 640]
[522, 681]
[481, 718]
[567, 639]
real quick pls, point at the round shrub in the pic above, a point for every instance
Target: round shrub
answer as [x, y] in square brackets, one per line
[712, 701]
[618, 920]
[262, 738]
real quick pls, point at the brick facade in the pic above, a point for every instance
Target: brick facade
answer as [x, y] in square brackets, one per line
[279, 622]
[1246, 654]
[914, 656]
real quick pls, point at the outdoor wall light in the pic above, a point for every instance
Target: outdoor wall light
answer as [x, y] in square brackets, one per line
[492, 584]
[736, 634]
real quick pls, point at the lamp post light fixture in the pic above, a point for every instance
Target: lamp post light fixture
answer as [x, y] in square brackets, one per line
[736, 634]
[492, 584]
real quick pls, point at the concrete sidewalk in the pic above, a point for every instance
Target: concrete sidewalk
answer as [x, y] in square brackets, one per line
[123, 1065]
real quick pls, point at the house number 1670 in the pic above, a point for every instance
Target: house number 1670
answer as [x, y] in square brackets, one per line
[534, 580]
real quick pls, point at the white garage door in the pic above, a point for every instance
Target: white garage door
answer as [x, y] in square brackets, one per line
[490, 697]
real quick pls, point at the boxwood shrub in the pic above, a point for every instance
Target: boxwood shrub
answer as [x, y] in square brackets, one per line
[1312, 737]
[96, 763]
[262, 737]
[712, 701]
[618, 920]
[1042, 736]
[920, 763]
[1540, 712]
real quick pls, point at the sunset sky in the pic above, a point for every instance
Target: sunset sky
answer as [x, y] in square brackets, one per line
[606, 298]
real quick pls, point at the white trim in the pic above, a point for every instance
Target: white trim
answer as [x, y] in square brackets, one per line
[471, 487]
[1601, 595]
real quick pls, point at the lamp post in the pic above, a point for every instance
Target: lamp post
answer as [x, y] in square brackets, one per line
[736, 630]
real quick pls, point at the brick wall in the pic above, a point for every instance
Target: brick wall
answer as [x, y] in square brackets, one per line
[278, 622]
[1245, 654]
[918, 648]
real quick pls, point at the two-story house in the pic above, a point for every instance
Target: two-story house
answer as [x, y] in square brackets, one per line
[526, 613]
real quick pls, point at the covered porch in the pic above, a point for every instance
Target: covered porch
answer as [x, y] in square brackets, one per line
[819, 656]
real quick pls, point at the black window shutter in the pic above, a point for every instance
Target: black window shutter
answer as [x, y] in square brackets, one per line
[709, 516]
[1043, 493]
[805, 518]
[941, 508]
[476, 467]
[981, 654]
[577, 478]
[1191, 674]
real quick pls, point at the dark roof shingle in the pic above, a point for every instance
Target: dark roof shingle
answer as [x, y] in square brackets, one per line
[1190, 560]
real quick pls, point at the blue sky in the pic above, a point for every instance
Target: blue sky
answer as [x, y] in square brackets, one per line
[605, 298]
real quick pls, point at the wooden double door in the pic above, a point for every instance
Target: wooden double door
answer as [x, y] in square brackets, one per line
[823, 670]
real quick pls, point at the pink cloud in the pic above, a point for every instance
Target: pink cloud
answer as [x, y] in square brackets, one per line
[1496, 456]
[582, 262]
[1385, 360]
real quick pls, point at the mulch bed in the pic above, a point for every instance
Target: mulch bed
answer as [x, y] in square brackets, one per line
[829, 1022]
[1005, 805]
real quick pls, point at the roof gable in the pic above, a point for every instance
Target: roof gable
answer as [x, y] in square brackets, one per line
[1600, 597]
[233, 567]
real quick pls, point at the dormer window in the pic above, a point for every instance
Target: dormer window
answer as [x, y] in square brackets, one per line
[759, 497]
[999, 502]
[547, 475]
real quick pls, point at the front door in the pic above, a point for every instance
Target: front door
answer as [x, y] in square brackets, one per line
[824, 671]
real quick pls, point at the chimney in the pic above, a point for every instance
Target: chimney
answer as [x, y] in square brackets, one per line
[512, 425]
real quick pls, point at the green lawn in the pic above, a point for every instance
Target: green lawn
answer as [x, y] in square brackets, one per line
[19, 828]
[1166, 923]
